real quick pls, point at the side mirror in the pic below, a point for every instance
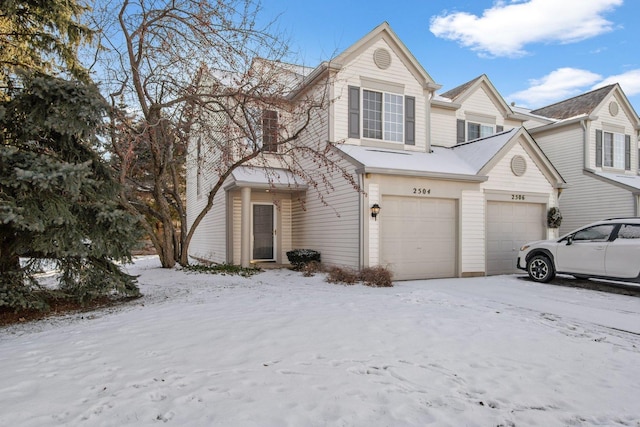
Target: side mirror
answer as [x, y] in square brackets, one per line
[569, 240]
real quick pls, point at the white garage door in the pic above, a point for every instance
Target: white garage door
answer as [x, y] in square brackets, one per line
[509, 225]
[418, 237]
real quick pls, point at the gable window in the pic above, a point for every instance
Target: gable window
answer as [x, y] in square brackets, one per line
[613, 150]
[477, 130]
[468, 130]
[270, 131]
[385, 116]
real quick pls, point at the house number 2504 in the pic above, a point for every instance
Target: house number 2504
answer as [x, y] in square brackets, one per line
[421, 190]
[517, 197]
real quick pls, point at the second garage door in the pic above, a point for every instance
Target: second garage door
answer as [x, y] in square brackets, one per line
[509, 226]
[419, 237]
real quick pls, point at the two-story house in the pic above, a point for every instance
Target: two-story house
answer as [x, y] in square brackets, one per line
[593, 141]
[451, 184]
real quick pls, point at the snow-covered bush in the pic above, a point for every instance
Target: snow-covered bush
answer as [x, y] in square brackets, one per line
[300, 257]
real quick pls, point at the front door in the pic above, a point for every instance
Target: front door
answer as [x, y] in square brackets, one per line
[263, 232]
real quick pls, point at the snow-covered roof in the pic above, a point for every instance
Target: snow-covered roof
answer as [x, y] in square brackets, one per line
[479, 152]
[463, 161]
[259, 177]
[441, 162]
[630, 181]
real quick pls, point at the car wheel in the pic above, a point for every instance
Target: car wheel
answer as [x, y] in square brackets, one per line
[540, 269]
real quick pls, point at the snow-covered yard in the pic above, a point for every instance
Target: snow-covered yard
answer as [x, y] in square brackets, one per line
[279, 349]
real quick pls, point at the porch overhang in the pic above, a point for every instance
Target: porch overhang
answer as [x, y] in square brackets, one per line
[261, 178]
[627, 182]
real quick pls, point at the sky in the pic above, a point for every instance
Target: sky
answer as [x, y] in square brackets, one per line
[535, 52]
[280, 349]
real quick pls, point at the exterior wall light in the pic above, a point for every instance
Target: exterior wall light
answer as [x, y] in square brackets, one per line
[375, 210]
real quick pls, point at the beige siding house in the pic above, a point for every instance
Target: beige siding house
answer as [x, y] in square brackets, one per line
[450, 206]
[593, 141]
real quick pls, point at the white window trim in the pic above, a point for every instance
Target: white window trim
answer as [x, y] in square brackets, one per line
[383, 116]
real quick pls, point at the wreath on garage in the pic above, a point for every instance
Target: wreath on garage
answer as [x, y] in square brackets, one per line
[554, 217]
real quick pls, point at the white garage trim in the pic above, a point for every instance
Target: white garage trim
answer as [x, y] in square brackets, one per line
[419, 237]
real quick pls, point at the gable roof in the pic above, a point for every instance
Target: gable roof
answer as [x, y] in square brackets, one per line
[384, 31]
[471, 161]
[454, 93]
[579, 105]
[458, 94]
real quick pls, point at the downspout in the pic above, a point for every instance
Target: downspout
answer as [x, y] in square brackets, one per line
[585, 143]
[427, 113]
[361, 221]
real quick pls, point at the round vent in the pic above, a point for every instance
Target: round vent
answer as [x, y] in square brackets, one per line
[613, 108]
[382, 58]
[518, 165]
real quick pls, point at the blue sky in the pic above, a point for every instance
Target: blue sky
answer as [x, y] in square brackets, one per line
[535, 52]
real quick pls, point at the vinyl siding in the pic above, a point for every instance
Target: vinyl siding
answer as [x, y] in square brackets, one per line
[443, 127]
[363, 66]
[586, 199]
[621, 120]
[333, 230]
[209, 242]
[472, 237]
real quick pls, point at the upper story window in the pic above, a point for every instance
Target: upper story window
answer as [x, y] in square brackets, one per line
[469, 130]
[385, 116]
[270, 131]
[613, 150]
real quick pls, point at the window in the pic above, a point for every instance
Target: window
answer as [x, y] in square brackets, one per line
[613, 150]
[270, 131]
[385, 116]
[629, 231]
[477, 130]
[598, 233]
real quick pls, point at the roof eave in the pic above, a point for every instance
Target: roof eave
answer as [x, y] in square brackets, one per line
[423, 174]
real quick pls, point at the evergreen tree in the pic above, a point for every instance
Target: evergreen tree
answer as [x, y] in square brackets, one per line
[59, 203]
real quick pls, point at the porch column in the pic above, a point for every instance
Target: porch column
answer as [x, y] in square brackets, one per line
[245, 227]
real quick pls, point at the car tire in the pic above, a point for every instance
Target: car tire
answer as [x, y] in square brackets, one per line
[540, 269]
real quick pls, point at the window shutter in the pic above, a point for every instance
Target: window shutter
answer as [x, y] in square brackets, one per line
[499, 128]
[410, 120]
[627, 152]
[270, 131]
[598, 148]
[354, 112]
[460, 132]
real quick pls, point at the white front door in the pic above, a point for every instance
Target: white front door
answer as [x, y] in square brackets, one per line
[263, 232]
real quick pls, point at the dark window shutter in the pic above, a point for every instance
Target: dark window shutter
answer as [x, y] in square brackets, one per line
[627, 152]
[410, 120]
[270, 131]
[460, 132]
[598, 148]
[499, 128]
[354, 112]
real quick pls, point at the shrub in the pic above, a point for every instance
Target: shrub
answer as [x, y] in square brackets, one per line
[300, 257]
[311, 268]
[342, 275]
[378, 277]
[223, 269]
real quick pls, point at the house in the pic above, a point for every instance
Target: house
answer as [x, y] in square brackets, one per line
[593, 141]
[459, 182]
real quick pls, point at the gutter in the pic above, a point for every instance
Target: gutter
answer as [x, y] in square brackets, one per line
[423, 174]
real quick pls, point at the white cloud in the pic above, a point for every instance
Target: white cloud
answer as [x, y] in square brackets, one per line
[556, 86]
[506, 28]
[629, 82]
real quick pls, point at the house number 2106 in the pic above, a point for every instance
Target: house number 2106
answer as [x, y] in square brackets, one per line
[421, 191]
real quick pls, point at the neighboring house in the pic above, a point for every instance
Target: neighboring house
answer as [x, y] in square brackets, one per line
[450, 205]
[592, 139]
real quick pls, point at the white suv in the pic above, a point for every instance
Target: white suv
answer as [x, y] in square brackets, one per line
[608, 249]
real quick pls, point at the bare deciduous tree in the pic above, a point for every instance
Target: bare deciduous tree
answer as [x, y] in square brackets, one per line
[186, 70]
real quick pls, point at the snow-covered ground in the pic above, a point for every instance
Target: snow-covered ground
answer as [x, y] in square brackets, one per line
[279, 349]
